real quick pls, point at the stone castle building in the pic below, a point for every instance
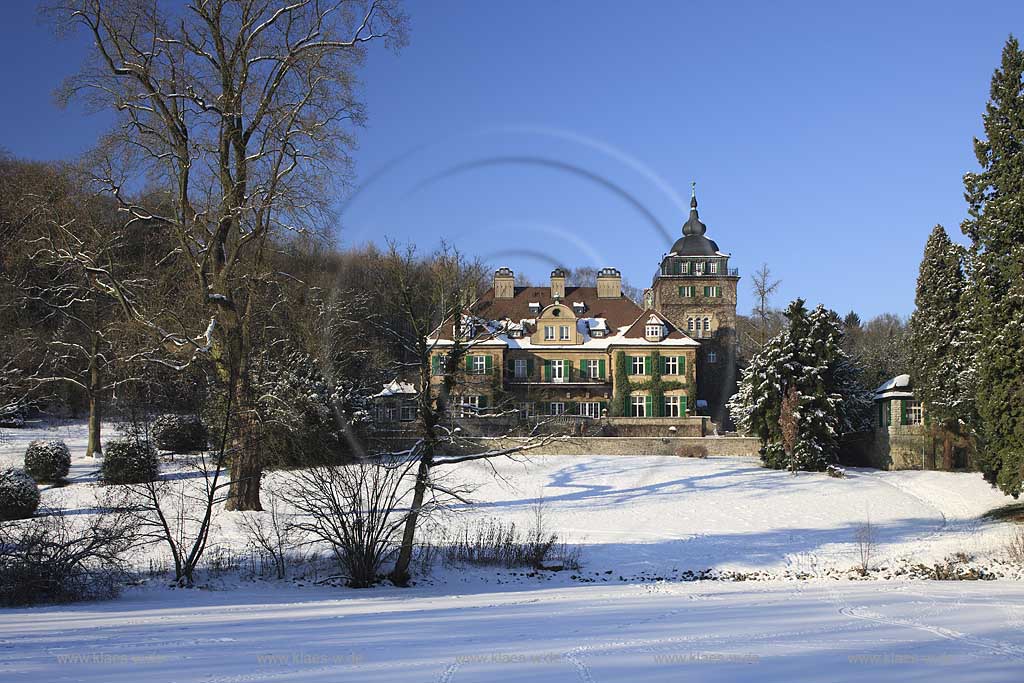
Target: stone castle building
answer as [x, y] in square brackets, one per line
[593, 352]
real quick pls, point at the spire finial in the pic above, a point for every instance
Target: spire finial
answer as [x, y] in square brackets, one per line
[693, 194]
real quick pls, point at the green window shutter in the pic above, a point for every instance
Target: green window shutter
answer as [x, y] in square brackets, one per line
[662, 360]
[529, 367]
[903, 411]
[547, 371]
[628, 360]
[649, 406]
[707, 292]
[682, 292]
[571, 408]
[600, 368]
[435, 365]
[682, 406]
[488, 364]
[647, 365]
[469, 363]
[693, 292]
[483, 402]
[681, 365]
[511, 365]
[568, 369]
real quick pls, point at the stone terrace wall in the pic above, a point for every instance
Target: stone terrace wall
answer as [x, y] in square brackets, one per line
[623, 445]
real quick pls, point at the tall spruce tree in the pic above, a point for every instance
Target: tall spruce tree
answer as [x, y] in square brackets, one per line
[996, 264]
[829, 401]
[941, 359]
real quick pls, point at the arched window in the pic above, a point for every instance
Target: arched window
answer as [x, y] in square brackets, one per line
[707, 324]
[689, 324]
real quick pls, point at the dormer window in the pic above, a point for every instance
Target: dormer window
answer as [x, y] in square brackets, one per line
[578, 307]
[654, 331]
[597, 334]
[466, 330]
[534, 307]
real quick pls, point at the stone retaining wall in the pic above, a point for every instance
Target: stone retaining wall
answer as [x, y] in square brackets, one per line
[623, 445]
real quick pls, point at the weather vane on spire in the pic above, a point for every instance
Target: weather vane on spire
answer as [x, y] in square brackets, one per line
[693, 188]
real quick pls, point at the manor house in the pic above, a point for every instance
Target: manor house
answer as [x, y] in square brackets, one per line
[592, 351]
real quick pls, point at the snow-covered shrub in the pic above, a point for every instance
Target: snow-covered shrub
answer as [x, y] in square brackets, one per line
[179, 433]
[129, 461]
[835, 471]
[58, 558]
[304, 418]
[19, 496]
[47, 461]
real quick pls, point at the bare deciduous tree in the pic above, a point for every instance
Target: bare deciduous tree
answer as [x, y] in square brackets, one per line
[764, 288]
[432, 298]
[238, 109]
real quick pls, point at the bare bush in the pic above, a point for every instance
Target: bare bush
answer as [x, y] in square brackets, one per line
[866, 545]
[357, 510]
[55, 558]
[272, 534]
[1015, 546]
[492, 542]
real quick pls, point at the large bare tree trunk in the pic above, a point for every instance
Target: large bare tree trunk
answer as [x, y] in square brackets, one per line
[94, 447]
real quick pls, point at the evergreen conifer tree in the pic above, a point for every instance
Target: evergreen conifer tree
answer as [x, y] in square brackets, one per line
[806, 358]
[996, 264]
[941, 355]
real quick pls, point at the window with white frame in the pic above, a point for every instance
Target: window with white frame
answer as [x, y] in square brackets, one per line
[549, 332]
[713, 267]
[591, 369]
[408, 412]
[590, 409]
[712, 356]
[698, 268]
[915, 413]
[671, 406]
[526, 408]
[656, 331]
[556, 408]
[479, 365]
[707, 324]
[469, 406]
[638, 365]
[638, 405]
[689, 324]
[557, 370]
[520, 368]
[671, 365]
[563, 333]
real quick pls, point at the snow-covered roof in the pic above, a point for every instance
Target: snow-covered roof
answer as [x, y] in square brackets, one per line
[396, 388]
[897, 387]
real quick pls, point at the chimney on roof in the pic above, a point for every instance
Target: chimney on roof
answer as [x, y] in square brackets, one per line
[504, 283]
[557, 283]
[609, 283]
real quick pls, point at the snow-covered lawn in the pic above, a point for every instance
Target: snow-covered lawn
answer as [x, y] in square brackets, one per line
[640, 521]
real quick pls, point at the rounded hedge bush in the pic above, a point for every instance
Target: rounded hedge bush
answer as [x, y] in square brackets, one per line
[129, 462]
[47, 461]
[179, 433]
[19, 496]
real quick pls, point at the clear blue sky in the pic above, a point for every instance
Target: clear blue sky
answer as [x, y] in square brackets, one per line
[826, 139]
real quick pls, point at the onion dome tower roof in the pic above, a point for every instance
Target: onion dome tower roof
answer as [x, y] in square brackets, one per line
[693, 242]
